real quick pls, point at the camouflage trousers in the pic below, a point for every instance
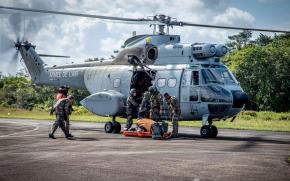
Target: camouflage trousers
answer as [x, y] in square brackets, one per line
[131, 113]
[67, 125]
[60, 122]
[155, 115]
[175, 119]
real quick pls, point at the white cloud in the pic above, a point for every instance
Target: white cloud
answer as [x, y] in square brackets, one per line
[234, 16]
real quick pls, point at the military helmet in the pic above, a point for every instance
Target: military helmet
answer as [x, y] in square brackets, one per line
[152, 89]
[133, 91]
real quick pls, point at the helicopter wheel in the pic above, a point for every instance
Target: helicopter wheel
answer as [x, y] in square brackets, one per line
[213, 131]
[109, 127]
[205, 131]
[117, 127]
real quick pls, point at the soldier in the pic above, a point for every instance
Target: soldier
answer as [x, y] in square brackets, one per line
[156, 103]
[174, 112]
[144, 110]
[62, 111]
[132, 108]
[62, 93]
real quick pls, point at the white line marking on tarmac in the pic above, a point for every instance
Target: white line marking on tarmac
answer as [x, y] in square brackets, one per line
[36, 127]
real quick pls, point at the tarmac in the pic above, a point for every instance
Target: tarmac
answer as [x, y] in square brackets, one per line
[26, 153]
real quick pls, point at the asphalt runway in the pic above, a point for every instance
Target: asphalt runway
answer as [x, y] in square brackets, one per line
[26, 153]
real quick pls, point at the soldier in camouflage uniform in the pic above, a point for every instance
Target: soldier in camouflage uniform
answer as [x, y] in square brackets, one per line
[156, 102]
[144, 110]
[132, 108]
[62, 110]
[174, 112]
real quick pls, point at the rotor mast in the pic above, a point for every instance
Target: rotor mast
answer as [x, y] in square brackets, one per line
[164, 21]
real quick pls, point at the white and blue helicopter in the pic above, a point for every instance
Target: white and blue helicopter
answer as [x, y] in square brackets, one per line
[194, 73]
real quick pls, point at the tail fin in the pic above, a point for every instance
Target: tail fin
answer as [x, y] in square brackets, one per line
[32, 61]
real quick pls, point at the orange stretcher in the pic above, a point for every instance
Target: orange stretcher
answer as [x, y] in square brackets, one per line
[137, 134]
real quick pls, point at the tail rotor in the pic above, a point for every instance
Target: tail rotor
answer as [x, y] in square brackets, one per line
[12, 31]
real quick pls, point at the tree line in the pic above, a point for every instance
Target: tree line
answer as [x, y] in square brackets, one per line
[262, 66]
[20, 92]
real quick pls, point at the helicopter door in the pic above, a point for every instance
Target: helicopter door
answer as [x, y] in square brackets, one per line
[189, 93]
[194, 93]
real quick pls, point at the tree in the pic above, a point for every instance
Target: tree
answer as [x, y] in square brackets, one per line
[263, 72]
[19, 92]
[263, 40]
[237, 42]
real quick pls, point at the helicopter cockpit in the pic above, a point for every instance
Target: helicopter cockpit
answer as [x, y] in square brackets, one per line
[217, 75]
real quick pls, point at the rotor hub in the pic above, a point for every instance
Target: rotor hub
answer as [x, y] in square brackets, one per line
[17, 45]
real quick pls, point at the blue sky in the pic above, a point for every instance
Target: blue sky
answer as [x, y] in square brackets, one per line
[267, 12]
[83, 38]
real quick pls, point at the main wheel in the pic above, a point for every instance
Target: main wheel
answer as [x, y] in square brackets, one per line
[117, 127]
[109, 127]
[213, 131]
[205, 131]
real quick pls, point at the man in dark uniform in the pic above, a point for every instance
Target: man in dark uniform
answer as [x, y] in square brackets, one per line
[62, 109]
[144, 110]
[62, 93]
[156, 102]
[132, 108]
[174, 112]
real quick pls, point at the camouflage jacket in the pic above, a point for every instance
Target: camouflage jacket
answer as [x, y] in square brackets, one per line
[145, 104]
[173, 105]
[156, 101]
[62, 107]
[131, 102]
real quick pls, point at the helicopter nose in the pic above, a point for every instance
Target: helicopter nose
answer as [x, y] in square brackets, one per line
[240, 98]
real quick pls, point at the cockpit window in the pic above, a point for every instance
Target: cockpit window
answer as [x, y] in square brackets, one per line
[217, 75]
[194, 78]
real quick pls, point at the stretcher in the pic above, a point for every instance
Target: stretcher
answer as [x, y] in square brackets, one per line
[137, 134]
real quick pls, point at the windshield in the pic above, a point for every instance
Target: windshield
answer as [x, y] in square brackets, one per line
[217, 75]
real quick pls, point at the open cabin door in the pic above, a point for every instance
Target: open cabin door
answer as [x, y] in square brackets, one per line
[168, 81]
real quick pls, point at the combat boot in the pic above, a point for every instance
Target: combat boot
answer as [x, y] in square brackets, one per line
[51, 136]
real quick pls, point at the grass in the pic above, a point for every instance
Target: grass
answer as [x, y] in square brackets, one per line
[248, 120]
[289, 159]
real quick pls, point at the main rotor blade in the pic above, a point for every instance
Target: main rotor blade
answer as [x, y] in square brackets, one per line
[56, 56]
[180, 23]
[122, 20]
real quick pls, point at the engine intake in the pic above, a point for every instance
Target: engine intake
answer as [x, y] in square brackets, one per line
[203, 50]
[151, 54]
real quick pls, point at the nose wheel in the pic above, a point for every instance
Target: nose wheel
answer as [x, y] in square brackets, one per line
[208, 131]
[112, 126]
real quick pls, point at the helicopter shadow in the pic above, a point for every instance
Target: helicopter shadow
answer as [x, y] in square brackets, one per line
[247, 142]
[83, 139]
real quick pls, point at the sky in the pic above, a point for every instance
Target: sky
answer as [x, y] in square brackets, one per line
[83, 38]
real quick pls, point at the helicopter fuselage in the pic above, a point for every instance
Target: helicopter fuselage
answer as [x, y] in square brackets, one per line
[204, 87]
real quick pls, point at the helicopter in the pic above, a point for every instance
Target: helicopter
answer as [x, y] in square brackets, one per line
[206, 89]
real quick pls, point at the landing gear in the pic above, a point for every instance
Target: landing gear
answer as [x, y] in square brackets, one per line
[109, 127]
[112, 126]
[213, 131]
[205, 131]
[208, 131]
